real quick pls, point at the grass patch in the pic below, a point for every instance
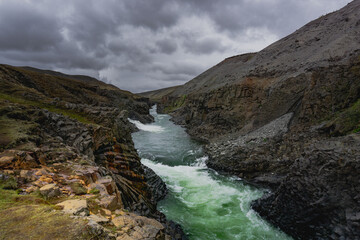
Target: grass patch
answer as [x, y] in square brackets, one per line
[78, 188]
[31, 217]
[179, 102]
[39, 222]
[15, 131]
[347, 121]
[10, 184]
[9, 195]
[94, 191]
[66, 112]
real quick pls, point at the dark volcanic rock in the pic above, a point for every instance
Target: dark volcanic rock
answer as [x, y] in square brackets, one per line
[156, 184]
[237, 106]
[320, 197]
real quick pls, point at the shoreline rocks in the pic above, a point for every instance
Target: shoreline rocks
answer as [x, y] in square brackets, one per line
[74, 145]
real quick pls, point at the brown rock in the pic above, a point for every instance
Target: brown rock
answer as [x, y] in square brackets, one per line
[109, 202]
[98, 219]
[125, 220]
[149, 221]
[75, 207]
[6, 161]
[50, 191]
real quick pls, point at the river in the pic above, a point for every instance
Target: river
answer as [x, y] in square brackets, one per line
[207, 205]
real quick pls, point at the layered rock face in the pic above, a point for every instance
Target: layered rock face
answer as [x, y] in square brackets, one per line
[69, 136]
[287, 118]
[321, 187]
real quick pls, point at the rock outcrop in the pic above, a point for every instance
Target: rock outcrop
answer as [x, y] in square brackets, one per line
[321, 187]
[68, 138]
[281, 118]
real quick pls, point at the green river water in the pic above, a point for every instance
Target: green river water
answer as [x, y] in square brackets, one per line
[206, 204]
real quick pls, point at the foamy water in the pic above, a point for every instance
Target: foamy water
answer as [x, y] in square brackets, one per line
[206, 204]
[146, 127]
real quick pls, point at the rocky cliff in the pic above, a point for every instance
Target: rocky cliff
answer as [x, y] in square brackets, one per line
[287, 118]
[66, 141]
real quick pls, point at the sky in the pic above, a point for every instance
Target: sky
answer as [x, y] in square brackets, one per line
[141, 45]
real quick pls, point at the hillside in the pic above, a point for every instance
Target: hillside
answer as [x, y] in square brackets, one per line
[65, 144]
[156, 95]
[287, 118]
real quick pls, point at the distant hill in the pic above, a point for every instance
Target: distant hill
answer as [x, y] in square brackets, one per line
[157, 95]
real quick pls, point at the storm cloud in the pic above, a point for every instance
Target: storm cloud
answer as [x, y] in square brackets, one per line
[141, 45]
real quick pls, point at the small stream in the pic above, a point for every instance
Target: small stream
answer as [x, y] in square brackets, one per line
[206, 204]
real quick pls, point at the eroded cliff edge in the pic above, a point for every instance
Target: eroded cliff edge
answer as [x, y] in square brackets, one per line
[287, 118]
[66, 141]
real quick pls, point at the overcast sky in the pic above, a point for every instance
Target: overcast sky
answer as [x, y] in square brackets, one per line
[141, 45]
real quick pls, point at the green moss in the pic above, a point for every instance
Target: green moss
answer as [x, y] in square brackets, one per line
[10, 184]
[347, 121]
[94, 191]
[15, 131]
[78, 188]
[179, 102]
[11, 197]
[356, 130]
[93, 205]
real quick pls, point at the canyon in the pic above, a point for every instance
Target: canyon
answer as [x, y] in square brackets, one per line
[286, 118]
[66, 145]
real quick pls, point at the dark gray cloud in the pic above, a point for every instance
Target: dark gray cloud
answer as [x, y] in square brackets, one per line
[204, 46]
[167, 45]
[27, 29]
[141, 45]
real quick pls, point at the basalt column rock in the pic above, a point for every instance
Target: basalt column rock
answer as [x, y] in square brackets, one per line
[319, 199]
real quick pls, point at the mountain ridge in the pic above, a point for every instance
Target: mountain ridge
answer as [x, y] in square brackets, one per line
[286, 118]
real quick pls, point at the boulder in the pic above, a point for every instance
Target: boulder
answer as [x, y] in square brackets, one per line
[148, 221]
[109, 202]
[5, 161]
[100, 187]
[75, 207]
[28, 175]
[98, 219]
[125, 220]
[50, 191]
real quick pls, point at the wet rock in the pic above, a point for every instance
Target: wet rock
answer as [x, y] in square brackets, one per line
[156, 184]
[318, 199]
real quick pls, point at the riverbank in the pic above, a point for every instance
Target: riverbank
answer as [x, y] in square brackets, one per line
[199, 198]
[67, 155]
[287, 118]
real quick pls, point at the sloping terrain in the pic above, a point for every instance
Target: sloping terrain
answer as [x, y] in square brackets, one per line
[286, 118]
[67, 141]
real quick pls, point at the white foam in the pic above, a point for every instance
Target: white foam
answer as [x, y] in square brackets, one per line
[201, 162]
[198, 187]
[147, 127]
